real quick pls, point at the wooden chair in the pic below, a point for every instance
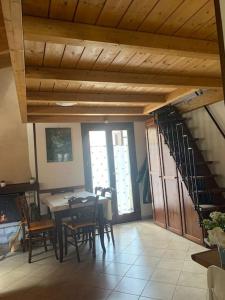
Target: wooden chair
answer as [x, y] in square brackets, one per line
[82, 224]
[216, 279]
[42, 230]
[108, 226]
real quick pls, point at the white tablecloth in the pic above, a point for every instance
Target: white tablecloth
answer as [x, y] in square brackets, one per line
[59, 202]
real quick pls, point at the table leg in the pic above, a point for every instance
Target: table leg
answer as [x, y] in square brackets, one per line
[101, 226]
[58, 222]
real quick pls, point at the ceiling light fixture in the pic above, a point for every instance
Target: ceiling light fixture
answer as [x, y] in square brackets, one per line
[65, 104]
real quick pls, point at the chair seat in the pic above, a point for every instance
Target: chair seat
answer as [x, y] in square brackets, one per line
[41, 225]
[74, 226]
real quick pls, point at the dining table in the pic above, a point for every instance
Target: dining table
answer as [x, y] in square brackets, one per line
[59, 209]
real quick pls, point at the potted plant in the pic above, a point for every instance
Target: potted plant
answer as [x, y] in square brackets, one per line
[215, 226]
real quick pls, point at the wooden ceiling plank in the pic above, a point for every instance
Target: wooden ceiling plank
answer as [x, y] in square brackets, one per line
[63, 9]
[55, 31]
[180, 16]
[89, 57]
[112, 12]
[83, 110]
[88, 11]
[84, 119]
[34, 52]
[159, 14]
[47, 85]
[37, 8]
[209, 97]
[206, 30]
[106, 57]
[136, 13]
[12, 13]
[60, 74]
[71, 56]
[197, 20]
[53, 54]
[96, 98]
[170, 98]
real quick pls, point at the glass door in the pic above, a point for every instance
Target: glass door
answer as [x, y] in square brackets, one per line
[110, 161]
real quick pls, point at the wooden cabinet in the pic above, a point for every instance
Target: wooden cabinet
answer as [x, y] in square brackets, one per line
[172, 206]
[156, 176]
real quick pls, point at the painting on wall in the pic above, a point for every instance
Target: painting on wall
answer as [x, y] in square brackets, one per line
[58, 144]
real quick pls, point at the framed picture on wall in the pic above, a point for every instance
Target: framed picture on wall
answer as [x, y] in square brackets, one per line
[58, 144]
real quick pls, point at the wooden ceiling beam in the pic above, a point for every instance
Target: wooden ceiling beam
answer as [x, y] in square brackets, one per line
[95, 98]
[61, 32]
[84, 110]
[170, 98]
[60, 74]
[209, 97]
[84, 119]
[12, 13]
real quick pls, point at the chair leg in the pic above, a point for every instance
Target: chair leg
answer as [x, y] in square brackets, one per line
[90, 239]
[65, 239]
[45, 244]
[76, 246]
[107, 232]
[54, 243]
[93, 242]
[30, 250]
[112, 234]
[24, 237]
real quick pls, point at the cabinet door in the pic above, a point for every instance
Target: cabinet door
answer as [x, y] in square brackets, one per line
[191, 227]
[171, 190]
[155, 176]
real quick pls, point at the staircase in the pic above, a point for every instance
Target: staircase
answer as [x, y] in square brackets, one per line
[206, 195]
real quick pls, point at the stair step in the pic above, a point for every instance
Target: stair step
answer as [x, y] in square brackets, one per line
[204, 176]
[210, 207]
[215, 191]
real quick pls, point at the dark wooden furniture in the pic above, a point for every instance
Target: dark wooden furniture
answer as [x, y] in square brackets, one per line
[42, 230]
[82, 224]
[172, 206]
[59, 207]
[108, 225]
[207, 258]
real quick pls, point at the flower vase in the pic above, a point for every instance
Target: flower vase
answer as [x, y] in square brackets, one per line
[221, 251]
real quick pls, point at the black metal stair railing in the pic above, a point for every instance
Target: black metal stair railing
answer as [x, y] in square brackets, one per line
[195, 173]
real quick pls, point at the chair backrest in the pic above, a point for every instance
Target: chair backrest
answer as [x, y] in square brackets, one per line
[83, 210]
[99, 191]
[108, 192]
[216, 283]
[23, 209]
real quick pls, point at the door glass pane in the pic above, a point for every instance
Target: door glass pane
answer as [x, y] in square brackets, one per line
[99, 159]
[122, 172]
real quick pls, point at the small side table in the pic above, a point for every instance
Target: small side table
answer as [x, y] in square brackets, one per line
[207, 258]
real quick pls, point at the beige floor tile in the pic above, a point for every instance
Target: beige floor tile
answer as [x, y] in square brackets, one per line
[171, 264]
[158, 290]
[131, 285]
[187, 293]
[191, 266]
[116, 269]
[167, 276]
[192, 280]
[122, 296]
[144, 260]
[125, 258]
[140, 272]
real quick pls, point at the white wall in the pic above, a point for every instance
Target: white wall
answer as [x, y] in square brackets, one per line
[14, 158]
[54, 175]
[212, 141]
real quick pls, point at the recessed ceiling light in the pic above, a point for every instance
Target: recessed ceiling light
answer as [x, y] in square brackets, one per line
[66, 103]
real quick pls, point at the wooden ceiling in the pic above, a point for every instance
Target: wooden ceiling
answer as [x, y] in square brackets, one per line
[114, 59]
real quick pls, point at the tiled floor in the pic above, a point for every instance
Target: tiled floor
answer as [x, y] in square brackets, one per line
[147, 263]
